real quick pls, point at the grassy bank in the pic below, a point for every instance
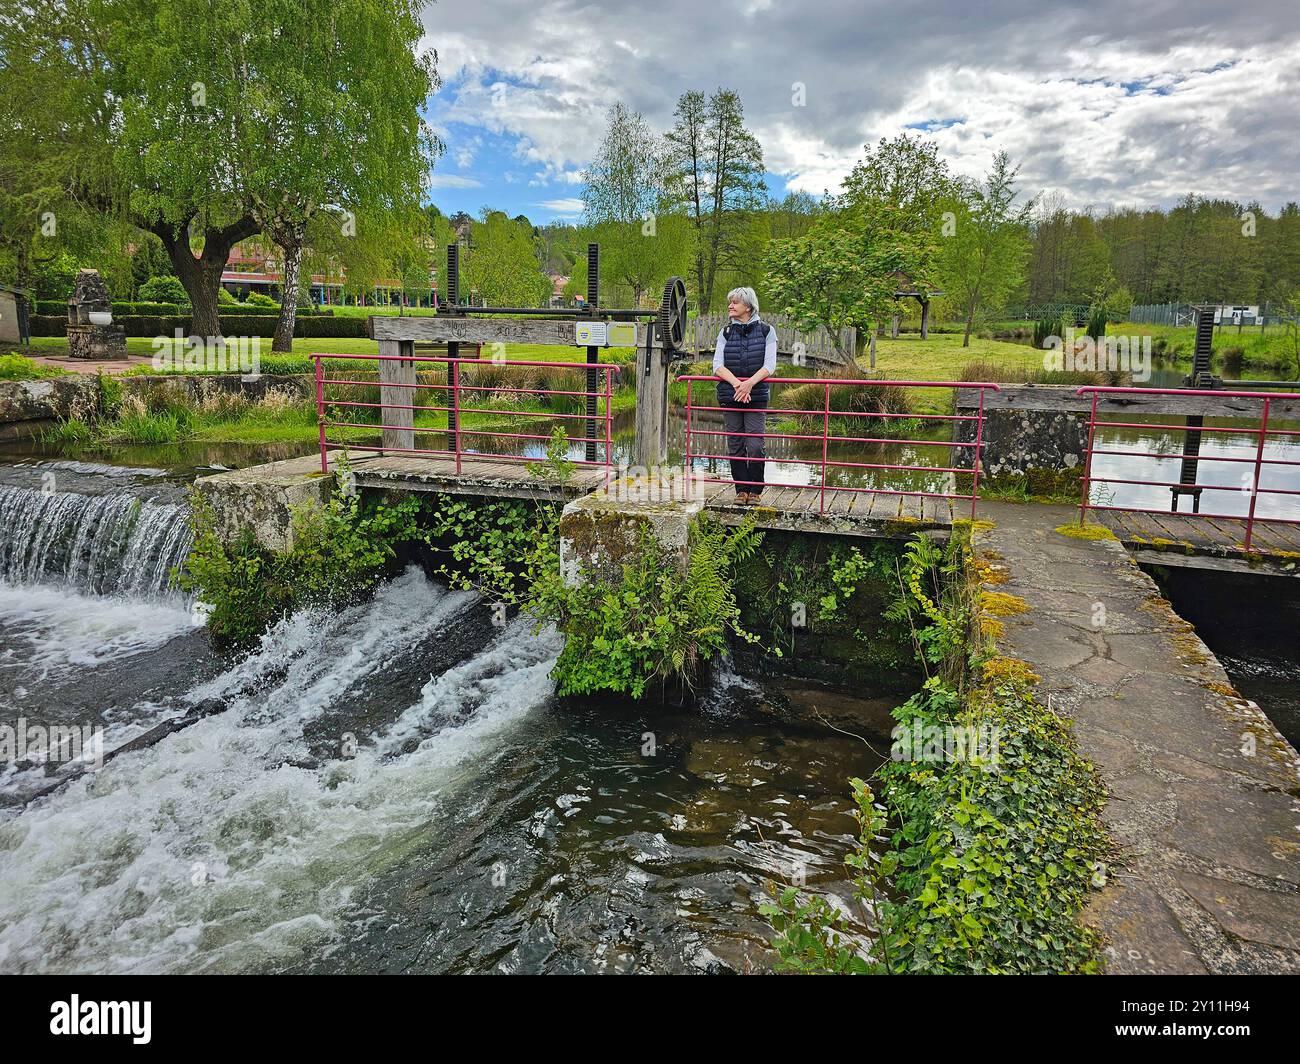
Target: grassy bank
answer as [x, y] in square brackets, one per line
[161, 414]
[1271, 349]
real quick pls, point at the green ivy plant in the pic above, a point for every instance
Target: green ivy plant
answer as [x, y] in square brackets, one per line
[653, 625]
[340, 551]
[987, 865]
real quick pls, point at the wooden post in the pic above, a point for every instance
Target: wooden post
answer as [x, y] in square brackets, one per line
[893, 330]
[651, 446]
[925, 318]
[401, 437]
[871, 348]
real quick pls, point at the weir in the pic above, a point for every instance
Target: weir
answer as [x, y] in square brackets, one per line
[1202, 785]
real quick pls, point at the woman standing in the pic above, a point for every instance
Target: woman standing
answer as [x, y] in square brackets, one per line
[744, 358]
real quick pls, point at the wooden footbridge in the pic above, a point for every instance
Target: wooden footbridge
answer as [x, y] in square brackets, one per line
[488, 425]
[850, 513]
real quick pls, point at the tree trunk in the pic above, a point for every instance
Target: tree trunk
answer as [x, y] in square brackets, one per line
[201, 275]
[289, 239]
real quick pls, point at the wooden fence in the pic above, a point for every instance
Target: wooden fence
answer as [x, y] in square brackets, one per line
[816, 345]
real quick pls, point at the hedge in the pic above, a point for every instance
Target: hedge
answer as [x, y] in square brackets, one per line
[123, 308]
[149, 325]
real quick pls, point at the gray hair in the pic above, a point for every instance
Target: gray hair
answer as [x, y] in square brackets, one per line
[746, 294]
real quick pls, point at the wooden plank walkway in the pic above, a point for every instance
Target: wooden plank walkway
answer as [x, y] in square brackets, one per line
[872, 514]
[851, 513]
[1206, 542]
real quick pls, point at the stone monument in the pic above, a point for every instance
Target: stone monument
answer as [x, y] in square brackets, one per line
[91, 334]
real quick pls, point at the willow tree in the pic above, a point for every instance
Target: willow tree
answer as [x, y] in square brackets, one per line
[54, 139]
[250, 117]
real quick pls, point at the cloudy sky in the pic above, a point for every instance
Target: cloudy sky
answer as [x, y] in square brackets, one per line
[1109, 103]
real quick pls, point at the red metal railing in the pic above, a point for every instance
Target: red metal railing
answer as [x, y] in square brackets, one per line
[825, 463]
[1256, 461]
[453, 388]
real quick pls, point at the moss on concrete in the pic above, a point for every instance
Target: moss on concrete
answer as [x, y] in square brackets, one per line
[999, 669]
[1089, 532]
[1001, 604]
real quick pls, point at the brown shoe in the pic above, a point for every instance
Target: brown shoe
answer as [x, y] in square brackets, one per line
[742, 498]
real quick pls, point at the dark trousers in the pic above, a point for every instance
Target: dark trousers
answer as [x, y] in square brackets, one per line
[747, 418]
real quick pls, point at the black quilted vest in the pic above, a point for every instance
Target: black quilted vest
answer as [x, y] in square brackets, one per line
[745, 346]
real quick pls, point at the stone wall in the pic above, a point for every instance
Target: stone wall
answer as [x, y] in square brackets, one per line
[1029, 438]
[195, 387]
[29, 408]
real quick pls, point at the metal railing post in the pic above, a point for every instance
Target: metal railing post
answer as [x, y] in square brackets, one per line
[454, 413]
[826, 431]
[1259, 462]
[1087, 463]
[975, 465]
[688, 467]
[320, 413]
[609, 422]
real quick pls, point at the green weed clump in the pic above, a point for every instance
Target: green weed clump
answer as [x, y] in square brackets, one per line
[16, 367]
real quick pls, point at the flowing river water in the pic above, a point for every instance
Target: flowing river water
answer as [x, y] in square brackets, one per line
[389, 787]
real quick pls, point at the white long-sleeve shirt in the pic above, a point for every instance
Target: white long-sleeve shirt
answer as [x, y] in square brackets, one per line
[769, 355]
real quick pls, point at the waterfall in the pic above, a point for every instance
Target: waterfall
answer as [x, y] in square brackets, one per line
[118, 543]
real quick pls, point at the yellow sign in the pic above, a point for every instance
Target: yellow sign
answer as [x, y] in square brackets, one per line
[622, 334]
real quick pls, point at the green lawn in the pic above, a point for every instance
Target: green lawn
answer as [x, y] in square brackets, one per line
[941, 357]
[299, 362]
[1271, 349]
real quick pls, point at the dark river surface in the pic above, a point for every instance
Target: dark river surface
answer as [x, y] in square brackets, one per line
[389, 787]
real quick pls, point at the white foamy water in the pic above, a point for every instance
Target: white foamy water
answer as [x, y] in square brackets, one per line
[227, 846]
[114, 543]
[51, 628]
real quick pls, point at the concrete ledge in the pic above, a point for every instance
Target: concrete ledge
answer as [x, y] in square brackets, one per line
[261, 498]
[598, 532]
[1202, 785]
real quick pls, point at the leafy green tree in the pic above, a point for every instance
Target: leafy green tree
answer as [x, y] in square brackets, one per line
[715, 174]
[329, 116]
[54, 126]
[206, 124]
[502, 265]
[165, 289]
[983, 260]
[174, 82]
[906, 175]
[148, 261]
[845, 271]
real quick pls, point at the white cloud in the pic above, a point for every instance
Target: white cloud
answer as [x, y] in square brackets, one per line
[571, 206]
[1107, 103]
[454, 181]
